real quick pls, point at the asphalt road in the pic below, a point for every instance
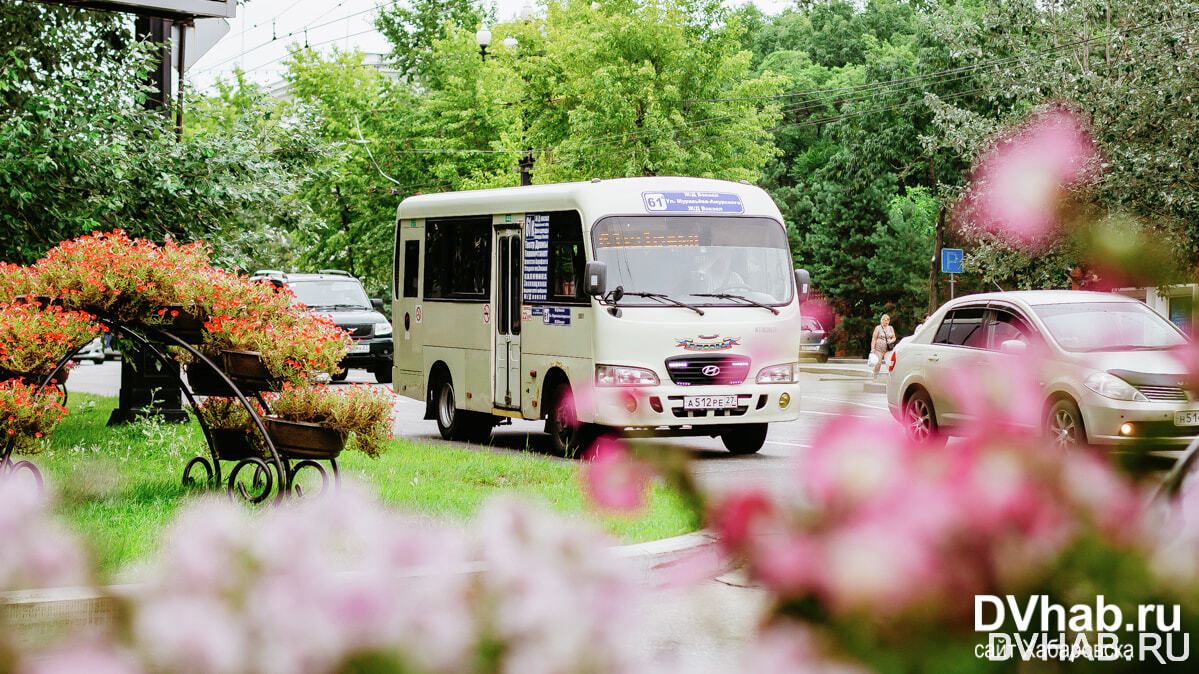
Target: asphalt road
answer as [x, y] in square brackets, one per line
[824, 396]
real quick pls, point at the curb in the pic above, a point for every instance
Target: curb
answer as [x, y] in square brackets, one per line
[37, 617]
[841, 371]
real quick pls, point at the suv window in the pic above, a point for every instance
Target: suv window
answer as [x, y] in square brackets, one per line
[330, 294]
[963, 327]
[1006, 326]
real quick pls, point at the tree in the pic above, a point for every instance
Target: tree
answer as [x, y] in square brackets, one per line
[1130, 67]
[412, 30]
[79, 153]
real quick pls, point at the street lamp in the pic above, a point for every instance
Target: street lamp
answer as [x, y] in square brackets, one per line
[483, 37]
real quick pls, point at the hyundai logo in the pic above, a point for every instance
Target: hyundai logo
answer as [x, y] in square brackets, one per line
[711, 370]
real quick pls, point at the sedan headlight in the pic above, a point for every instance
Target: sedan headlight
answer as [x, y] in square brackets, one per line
[1111, 386]
[382, 329]
[619, 375]
[787, 373]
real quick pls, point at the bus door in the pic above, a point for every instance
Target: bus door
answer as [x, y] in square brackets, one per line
[507, 323]
[407, 309]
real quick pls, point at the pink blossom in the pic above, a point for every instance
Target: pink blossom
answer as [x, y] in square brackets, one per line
[1016, 187]
[87, 656]
[612, 478]
[792, 647]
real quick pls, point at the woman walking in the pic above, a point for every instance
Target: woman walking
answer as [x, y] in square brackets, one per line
[882, 341]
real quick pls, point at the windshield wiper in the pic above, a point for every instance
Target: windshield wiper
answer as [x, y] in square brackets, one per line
[665, 298]
[743, 298]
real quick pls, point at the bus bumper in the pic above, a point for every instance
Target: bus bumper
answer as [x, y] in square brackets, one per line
[657, 406]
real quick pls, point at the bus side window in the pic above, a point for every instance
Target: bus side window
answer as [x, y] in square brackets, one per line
[566, 258]
[458, 259]
[411, 267]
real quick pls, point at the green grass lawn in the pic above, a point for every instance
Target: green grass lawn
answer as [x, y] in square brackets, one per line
[119, 487]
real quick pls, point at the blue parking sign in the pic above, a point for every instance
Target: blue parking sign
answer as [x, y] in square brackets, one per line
[951, 260]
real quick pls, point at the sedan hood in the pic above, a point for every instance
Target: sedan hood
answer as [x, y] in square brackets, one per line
[1164, 362]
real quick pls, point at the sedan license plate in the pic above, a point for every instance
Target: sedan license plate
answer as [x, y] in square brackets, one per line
[360, 348]
[710, 402]
[1186, 418]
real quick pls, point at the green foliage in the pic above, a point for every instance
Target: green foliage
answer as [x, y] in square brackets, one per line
[412, 28]
[78, 153]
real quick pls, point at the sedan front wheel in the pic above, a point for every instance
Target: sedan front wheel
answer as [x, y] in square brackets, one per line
[1063, 425]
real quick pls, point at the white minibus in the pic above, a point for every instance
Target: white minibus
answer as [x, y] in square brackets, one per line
[655, 305]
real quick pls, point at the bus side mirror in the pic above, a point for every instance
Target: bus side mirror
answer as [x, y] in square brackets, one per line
[377, 304]
[597, 278]
[803, 281]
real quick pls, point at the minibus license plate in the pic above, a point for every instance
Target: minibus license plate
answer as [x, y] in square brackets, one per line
[1186, 418]
[712, 402]
[360, 348]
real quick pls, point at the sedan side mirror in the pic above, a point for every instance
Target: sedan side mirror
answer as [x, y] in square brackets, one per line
[596, 283]
[803, 283]
[377, 304]
[1015, 347]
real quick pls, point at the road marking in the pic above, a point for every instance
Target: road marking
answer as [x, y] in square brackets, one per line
[854, 402]
[789, 444]
[840, 414]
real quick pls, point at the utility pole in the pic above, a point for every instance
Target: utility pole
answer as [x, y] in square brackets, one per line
[938, 241]
[157, 32]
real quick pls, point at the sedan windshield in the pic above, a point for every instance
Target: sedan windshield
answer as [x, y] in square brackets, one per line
[692, 258]
[331, 294]
[1108, 326]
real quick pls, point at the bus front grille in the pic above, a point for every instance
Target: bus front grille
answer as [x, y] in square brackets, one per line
[707, 370]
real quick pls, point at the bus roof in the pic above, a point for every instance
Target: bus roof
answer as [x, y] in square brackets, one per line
[595, 199]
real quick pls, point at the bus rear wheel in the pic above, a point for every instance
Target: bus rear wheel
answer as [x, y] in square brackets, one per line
[456, 424]
[744, 439]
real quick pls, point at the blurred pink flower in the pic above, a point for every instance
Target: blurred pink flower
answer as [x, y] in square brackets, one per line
[793, 648]
[35, 551]
[1017, 186]
[613, 478]
[741, 515]
[90, 657]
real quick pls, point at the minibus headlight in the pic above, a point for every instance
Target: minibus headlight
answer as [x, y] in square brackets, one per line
[618, 375]
[778, 374]
[382, 329]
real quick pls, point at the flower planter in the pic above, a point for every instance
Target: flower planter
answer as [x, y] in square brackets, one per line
[177, 321]
[204, 381]
[44, 300]
[232, 444]
[303, 440]
[246, 370]
[34, 378]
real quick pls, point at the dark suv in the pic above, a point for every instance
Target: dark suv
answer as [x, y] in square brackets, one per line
[339, 296]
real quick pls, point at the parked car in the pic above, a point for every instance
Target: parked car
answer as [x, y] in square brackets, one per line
[93, 351]
[340, 296]
[813, 340]
[1111, 374]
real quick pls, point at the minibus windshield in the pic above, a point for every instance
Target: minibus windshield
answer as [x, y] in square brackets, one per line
[689, 258]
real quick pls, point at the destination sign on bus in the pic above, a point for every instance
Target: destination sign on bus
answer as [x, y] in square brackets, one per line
[692, 202]
[536, 263]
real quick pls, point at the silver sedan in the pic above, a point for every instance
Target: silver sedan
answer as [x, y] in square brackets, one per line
[1105, 369]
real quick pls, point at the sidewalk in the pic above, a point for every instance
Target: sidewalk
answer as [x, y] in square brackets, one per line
[841, 367]
[853, 368]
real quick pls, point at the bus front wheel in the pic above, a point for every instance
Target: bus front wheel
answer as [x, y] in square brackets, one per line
[746, 439]
[567, 436]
